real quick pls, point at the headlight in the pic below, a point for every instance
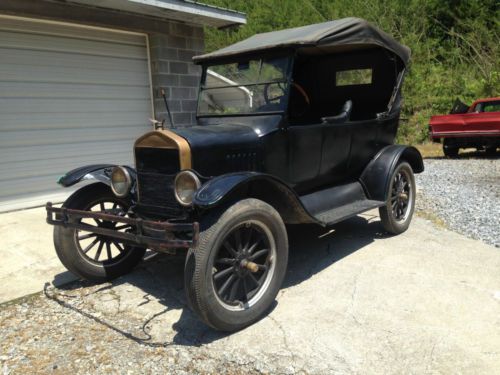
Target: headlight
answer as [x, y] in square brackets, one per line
[186, 183]
[121, 182]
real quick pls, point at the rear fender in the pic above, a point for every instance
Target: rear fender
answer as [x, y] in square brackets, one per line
[235, 186]
[98, 172]
[376, 176]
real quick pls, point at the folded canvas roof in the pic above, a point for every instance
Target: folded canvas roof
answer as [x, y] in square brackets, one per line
[345, 32]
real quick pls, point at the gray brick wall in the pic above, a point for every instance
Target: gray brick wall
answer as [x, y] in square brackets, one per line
[172, 69]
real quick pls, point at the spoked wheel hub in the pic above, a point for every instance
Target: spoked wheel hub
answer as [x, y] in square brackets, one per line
[96, 248]
[243, 265]
[401, 195]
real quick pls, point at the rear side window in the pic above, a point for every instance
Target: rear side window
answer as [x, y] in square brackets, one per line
[491, 107]
[353, 77]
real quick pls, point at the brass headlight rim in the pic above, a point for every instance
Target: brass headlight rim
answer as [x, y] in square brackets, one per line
[128, 178]
[195, 178]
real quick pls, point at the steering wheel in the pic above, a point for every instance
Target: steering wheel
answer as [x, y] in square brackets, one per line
[298, 87]
[296, 109]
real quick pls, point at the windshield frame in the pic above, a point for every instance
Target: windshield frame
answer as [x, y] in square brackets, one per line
[287, 80]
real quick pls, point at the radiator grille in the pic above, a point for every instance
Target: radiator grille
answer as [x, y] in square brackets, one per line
[156, 170]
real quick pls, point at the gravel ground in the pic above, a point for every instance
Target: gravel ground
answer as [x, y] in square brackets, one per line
[465, 194]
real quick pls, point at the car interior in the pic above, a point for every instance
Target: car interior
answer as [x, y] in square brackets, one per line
[325, 85]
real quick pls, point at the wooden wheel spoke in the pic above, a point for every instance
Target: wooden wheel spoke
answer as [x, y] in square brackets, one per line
[90, 246]
[252, 248]
[237, 237]
[258, 254]
[118, 246]
[86, 236]
[234, 289]
[229, 248]
[223, 273]
[254, 280]
[108, 250]
[225, 261]
[249, 238]
[246, 289]
[226, 284]
[99, 250]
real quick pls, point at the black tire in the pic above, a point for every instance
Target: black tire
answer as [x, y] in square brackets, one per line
[450, 151]
[219, 234]
[490, 150]
[69, 246]
[397, 213]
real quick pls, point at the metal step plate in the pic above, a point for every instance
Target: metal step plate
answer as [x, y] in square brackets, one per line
[344, 212]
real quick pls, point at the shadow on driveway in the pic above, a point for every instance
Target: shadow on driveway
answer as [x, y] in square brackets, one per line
[160, 279]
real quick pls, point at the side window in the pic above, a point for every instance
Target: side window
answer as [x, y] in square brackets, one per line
[353, 77]
[491, 107]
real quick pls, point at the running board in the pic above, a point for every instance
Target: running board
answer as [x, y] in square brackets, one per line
[337, 203]
[344, 212]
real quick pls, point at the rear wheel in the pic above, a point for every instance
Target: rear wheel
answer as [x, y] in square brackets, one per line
[396, 215]
[449, 150]
[234, 275]
[91, 256]
[490, 150]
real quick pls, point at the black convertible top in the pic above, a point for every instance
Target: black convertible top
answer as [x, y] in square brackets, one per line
[338, 34]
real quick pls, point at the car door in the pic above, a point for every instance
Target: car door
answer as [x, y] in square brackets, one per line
[335, 152]
[318, 154]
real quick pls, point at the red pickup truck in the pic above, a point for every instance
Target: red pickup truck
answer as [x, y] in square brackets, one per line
[477, 126]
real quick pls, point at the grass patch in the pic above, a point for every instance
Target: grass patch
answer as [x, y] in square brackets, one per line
[430, 150]
[433, 218]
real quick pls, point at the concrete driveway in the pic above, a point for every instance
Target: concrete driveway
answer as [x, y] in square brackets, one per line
[354, 301]
[28, 256]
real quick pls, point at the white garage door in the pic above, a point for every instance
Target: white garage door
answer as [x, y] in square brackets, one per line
[69, 96]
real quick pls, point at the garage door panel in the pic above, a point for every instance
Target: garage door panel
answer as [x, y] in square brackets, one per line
[102, 149]
[58, 136]
[57, 105]
[39, 168]
[30, 121]
[72, 91]
[31, 186]
[70, 60]
[69, 45]
[69, 96]
[41, 28]
[70, 75]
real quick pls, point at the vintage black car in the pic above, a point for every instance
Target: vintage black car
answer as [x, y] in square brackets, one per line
[293, 126]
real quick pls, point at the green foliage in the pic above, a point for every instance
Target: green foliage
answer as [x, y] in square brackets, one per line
[454, 43]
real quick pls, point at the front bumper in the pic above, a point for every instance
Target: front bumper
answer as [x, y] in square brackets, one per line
[156, 235]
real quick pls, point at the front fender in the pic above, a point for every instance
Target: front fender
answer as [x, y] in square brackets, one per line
[376, 176]
[241, 185]
[98, 172]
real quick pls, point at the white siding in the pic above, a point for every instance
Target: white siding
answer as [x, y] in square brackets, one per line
[69, 96]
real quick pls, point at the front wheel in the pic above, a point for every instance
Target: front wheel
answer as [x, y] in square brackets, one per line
[235, 273]
[89, 255]
[397, 213]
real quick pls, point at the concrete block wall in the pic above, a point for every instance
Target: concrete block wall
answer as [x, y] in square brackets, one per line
[172, 69]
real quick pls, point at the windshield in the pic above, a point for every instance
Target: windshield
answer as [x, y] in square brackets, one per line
[245, 87]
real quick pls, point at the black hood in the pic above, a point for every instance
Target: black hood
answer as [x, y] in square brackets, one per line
[223, 148]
